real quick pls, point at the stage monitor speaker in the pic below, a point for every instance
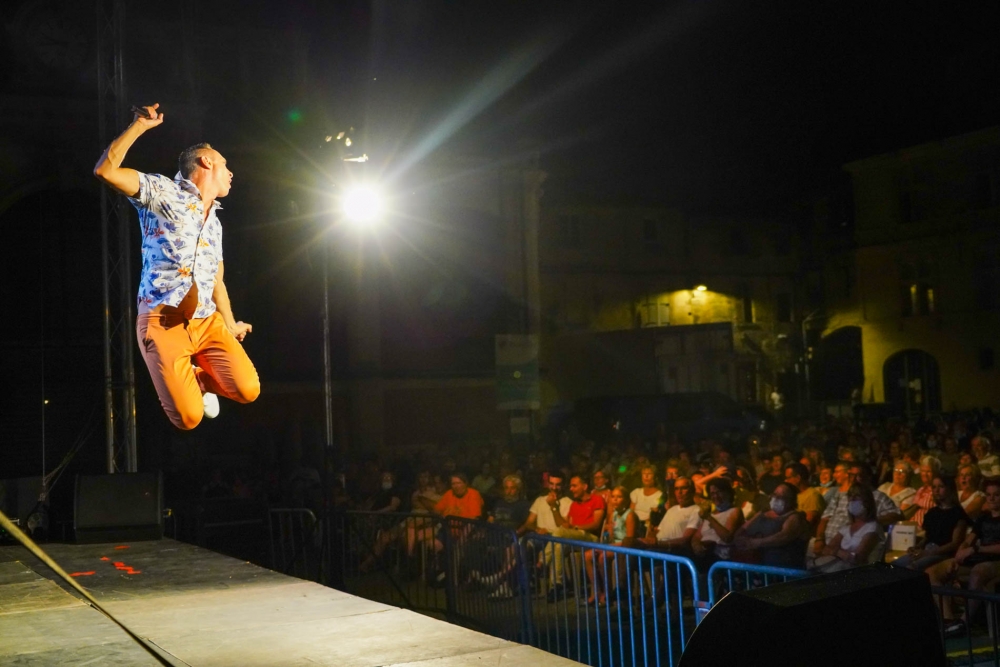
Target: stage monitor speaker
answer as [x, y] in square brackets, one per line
[873, 615]
[19, 497]
[118, 508]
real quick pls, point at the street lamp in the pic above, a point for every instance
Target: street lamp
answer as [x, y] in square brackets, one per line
[363, 204]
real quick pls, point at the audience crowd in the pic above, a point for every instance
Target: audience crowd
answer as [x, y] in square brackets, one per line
[807, 495]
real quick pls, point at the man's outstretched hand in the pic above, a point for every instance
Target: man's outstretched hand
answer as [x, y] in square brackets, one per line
[241, 330]
[153, 120]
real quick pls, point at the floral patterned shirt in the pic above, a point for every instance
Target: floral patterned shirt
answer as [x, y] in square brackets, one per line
[177, 247]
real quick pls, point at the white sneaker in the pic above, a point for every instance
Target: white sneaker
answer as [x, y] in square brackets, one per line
[211, 403]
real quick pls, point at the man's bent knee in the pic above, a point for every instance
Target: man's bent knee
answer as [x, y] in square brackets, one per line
[187, 420]
[248, 391]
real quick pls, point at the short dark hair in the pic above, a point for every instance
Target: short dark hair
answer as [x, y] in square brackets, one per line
[188, 159]
[724, 487]
[798, 469]
[991, 482]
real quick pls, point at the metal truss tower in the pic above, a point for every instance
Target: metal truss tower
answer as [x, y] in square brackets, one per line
[119, 374]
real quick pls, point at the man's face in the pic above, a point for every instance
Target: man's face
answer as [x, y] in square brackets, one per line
[555, 485]
[600, 480]
[673, 472]
[926, 474]
[510, 491]
[684, 492]
[840, 475]
[825, 475]
[577, 488]
[792, 478]
[992, 498]
[777, 464]
[900, 474]
[219, 173]
[783, 493]
[458, 487]
[979, 448]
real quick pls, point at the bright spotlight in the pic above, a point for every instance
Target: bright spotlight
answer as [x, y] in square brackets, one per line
[701, 288]
[362, 204]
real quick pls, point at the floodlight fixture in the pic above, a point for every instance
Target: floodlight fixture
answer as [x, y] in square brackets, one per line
[363, 204]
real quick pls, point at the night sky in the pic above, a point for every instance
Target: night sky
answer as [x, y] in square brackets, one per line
[720, 105]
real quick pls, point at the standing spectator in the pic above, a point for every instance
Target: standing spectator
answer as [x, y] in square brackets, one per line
[969, 496]
[899, 489]
[680, 522]
[810, 501]
[923, 499]
[646, 498]
[775, 537]
[944, 528]
[774, 475]
[854, 543]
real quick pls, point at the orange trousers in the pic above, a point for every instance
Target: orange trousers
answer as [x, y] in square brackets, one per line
[188, 356]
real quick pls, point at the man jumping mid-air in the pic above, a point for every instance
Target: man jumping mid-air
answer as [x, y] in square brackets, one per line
[185, 325]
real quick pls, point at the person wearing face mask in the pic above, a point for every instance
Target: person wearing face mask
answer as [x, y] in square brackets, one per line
[386, 499]
[776, 537]
[713, 539]
[854, 543]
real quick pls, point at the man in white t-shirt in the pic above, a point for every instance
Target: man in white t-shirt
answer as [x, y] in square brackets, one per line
[680, 522]
[540, 518]
[989, 463]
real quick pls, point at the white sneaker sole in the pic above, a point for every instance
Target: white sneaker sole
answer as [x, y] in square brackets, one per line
[211, 403]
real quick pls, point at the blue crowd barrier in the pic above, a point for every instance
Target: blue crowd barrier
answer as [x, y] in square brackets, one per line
[721, 578]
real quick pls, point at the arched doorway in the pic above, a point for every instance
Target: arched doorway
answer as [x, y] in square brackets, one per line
[912, 383]
[839, 365]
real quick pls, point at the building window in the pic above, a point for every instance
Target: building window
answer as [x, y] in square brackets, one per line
[569, 231]
[784, 308]
[918, 299]
[656, 314]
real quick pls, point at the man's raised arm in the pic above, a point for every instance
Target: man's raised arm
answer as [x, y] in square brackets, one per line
[109, 167]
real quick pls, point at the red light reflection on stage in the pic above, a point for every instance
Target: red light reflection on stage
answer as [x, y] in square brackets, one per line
[127, 569]
[124, 546]
[82, 574]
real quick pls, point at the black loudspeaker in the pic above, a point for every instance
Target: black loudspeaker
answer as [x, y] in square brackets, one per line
[873, 615]
[118, 508]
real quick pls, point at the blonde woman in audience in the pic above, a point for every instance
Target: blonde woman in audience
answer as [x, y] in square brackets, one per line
[899, 490]
[645, 498]
[715, 535]
[969, 496]
[619, 530]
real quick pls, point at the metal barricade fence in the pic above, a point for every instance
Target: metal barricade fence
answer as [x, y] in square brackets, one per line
[393, 558]
[964, 648]
[296, 540]
[485, 575]
[725, 577]
[648, 613]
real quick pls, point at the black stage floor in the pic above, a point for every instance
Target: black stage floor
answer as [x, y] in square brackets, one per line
[209, 609]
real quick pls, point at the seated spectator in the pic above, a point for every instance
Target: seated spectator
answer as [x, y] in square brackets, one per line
[599, 484]
[510, 510]
[680, 522]
[773, 476]
[776, 537]
[949, 456]
[856, 543]
[988, 462]
[835, 516]
[619, 530]
[916, 508]
[944, 528]
[541, 519]
[899, 489]
[460, 500]
[484, 481]
[886, 512]
[969, 496]
[827, 485]
[428, 492]
[583, 522]
[712, 540]
[978, 557]
[745, 495]
[706, 473]
[810, 501]
[386, 499]
[646, 498]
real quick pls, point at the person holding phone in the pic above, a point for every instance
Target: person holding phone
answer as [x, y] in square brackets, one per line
[188, 336]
